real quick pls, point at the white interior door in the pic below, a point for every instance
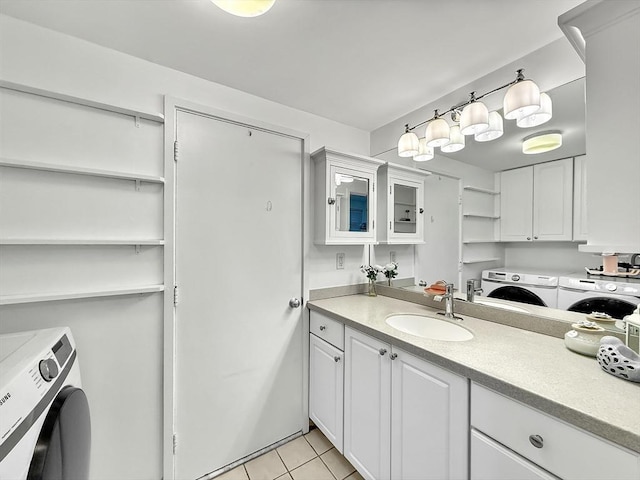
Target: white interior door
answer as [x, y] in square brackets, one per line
[238, 251]
[437, 258]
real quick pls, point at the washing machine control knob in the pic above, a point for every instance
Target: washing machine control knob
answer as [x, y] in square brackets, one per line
[612, 287]
[48, 369]
[515, 278]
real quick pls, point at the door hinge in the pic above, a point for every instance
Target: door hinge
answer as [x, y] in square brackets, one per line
[175, 295]
[175, 151]
[175, 443]
[390, 192]
[374, 187]
[459, 199]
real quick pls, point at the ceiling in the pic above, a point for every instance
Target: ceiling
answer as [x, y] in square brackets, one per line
[363, 63]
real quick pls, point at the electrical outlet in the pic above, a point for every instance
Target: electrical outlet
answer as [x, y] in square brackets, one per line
[339, 261]
[392, 257]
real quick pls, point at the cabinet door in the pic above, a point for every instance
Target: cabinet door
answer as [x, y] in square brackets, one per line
[367, 399]
[406, 211]
[516, 205]
[326, 374]
[492, 461]
[429, 420]
[580, 198]
[553, 200]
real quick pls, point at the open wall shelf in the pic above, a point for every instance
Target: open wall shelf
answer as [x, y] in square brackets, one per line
[51, 297]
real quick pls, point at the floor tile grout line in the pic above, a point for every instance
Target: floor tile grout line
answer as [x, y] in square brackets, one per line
[325, 464]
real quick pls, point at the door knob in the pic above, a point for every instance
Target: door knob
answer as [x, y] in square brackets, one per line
[295, 303]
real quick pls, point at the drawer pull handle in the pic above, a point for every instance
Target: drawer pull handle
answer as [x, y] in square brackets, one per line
[536, 441]
[336, 359]
[382, 351]
[322, 328]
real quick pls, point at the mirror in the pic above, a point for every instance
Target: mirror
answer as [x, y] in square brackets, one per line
[404, 208]
[352, 203]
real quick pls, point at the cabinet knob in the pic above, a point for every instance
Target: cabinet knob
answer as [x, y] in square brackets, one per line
[536, 441]
[535, 237]
[528, 238]
[336, 358]
[421, 210]
[331, 201]
[382, 351]
[393, 356]
[323, 328]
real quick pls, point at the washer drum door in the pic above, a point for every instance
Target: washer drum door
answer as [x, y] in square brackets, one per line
[64, 444]
[615, 307]
[517, 294]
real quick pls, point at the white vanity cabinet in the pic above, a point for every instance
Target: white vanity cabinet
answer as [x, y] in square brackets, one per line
[400, 204]
[344, 197]
[580, 224]
[403, 417]
[536, 202]
[326, 377]
[510, 440]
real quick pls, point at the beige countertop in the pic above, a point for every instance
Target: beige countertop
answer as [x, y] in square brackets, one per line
[533, 368]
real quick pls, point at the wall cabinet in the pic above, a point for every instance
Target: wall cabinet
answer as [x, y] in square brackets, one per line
[400, 204]
[404, 417]
[326, 377]
[344, 196]
[536, 202]
[580, 229]
[510, 440]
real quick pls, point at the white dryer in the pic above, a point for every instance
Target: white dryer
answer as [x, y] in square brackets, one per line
[45, 428]
[615, 296]
[524, 286]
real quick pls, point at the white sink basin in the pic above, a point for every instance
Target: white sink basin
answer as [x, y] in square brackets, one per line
[429, 327]
[503, 306]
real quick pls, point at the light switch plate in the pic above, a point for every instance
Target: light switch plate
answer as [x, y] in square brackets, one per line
[339, 261]
[392, 257]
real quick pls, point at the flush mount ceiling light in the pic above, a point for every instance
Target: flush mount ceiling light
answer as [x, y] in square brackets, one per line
[538, 117]
[425, 152]
[541, 142]
[245, 8]
[408, 143]
[523, 102]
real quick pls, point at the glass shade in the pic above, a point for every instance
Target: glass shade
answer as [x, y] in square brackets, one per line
[541, 143]
[495, 130]
[425, 151]
[540, 116]
[437, 133]
[245, 8]
[522, 99]
[474, 118]
[408, 145]
[456, 140]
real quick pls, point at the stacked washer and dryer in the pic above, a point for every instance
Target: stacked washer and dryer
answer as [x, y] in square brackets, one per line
[45, 429]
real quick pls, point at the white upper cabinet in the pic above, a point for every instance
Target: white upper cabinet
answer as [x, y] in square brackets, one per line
[536, 202]
[580, 198]
[400, 204]
[345, 202]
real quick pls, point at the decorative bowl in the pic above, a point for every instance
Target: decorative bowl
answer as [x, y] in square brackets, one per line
[619, 360]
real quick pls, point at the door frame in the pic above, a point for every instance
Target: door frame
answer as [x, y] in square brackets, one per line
[172, 105]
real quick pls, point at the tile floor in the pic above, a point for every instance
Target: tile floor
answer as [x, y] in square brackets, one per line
[309, 457]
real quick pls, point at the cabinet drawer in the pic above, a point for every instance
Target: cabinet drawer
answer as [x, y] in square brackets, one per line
[326, 328]
[565, 451]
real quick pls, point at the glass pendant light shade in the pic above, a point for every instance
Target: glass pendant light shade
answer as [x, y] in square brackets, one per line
[495, 130]
[474, 118]
[540, 116]
[425, 152]
[408, 144]
[456, 140]
[437, 133]
[522, 99]
[540, 143]
[245, 8]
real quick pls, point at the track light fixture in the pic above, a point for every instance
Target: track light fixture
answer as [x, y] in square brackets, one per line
[522, 102]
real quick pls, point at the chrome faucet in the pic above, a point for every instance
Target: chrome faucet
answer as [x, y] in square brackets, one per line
[472, 290]
[448, 306]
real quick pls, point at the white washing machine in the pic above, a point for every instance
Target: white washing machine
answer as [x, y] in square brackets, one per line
[615, 296]
[524, 286]
[45, 428]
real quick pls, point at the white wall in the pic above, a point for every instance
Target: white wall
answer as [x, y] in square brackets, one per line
[119, 339]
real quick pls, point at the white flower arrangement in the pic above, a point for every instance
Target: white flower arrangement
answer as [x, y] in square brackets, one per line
[371, 271]
[390, 270]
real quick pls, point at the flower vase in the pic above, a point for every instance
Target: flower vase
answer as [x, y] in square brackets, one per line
[372, 288]
[389, 281]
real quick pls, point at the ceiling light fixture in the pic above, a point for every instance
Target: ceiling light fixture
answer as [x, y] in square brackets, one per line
[523, 102]
[245, 8]
[425, 152]
[541, 142]
[456, 140]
